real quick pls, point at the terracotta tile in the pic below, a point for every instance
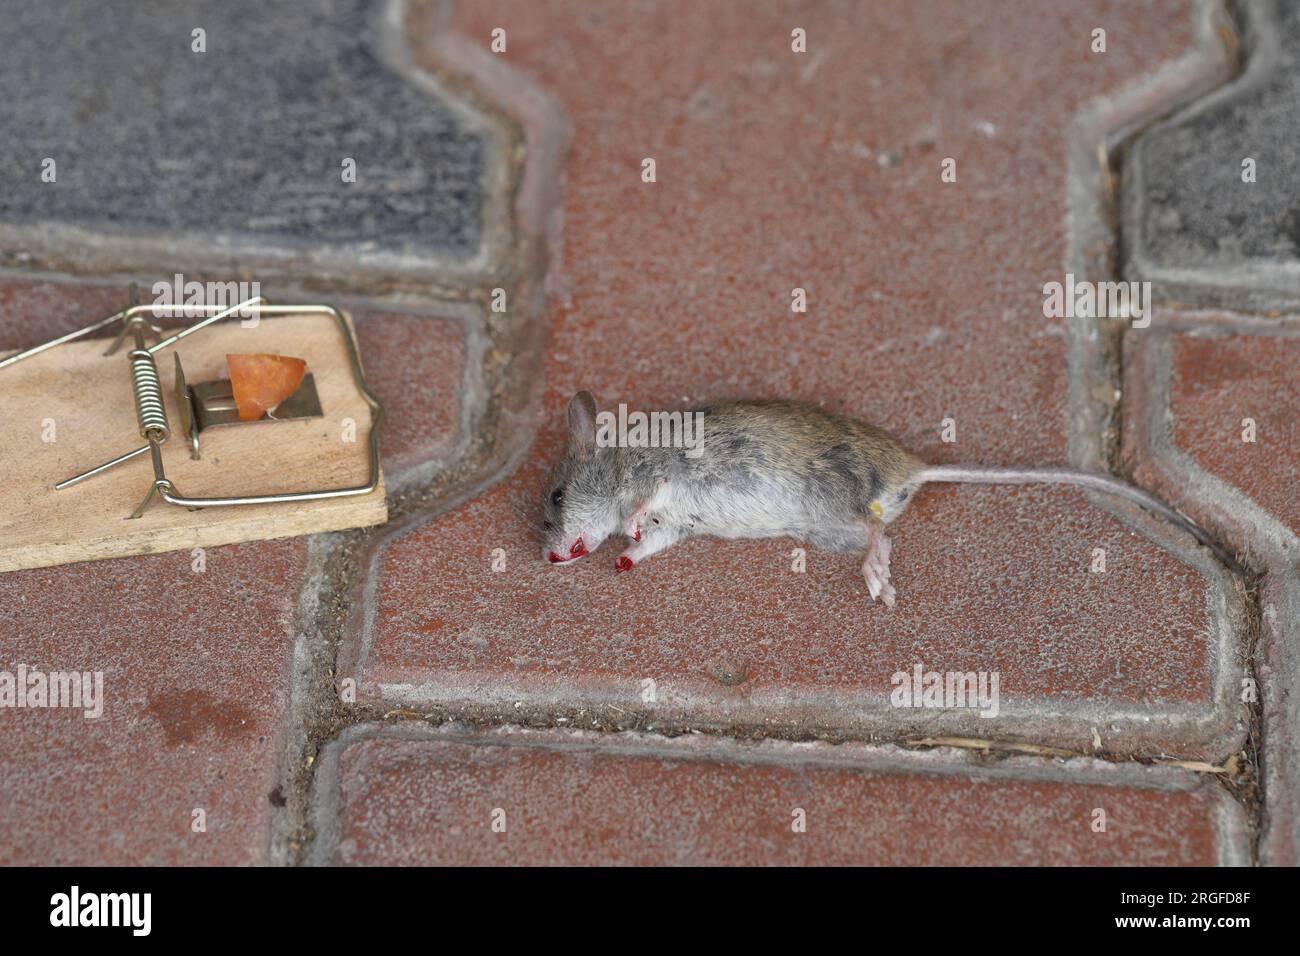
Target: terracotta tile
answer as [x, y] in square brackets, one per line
[32, 312]
[778, 171]
[415, 364]
[731, 633]
[1189, 383]
[430, 799]
[195, 679]
[1192, 382]
[1218, 382]
[822, 171]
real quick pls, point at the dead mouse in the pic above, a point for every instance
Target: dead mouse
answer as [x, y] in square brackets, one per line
[765, 469]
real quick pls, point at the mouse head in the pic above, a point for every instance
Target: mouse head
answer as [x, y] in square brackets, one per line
[581, 505]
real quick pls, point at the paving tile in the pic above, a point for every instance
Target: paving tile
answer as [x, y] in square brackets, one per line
[680, 290]
[195, 686]
[243, 144]
[34, 311]
[1190, 380]
[1191, 222]
[1221, 382]
[430, 798]
[683, 287]
[731, 634]
[1217, 380]
[415, 364]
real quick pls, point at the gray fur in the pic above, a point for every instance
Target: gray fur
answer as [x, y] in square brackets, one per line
[768, 469]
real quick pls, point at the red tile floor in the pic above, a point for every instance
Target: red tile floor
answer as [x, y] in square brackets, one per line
[471, 704]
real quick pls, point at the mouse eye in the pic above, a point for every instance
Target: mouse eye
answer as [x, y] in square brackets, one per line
[557, 497]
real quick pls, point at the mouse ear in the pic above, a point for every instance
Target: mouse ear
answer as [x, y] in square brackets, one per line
[582, 420]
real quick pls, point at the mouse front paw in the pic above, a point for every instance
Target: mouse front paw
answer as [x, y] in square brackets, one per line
[652, 543]
[632, 526]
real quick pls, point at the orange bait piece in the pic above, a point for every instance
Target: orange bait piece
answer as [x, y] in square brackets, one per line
[261, 382]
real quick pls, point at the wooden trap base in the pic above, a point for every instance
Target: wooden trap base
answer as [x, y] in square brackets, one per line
[70, 408]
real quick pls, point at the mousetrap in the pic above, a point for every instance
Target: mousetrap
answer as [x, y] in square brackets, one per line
[257, 427]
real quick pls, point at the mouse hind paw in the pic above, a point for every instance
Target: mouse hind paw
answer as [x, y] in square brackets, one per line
[875, 567]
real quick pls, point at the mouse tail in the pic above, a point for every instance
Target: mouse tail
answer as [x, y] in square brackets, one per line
[1094, 481]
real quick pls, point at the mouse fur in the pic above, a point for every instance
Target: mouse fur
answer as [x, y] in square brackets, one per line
[768, 468]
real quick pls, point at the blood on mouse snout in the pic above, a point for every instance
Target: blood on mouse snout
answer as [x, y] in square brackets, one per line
[579, 550]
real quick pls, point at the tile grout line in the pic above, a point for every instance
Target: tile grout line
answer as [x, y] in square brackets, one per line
[498, 406]
[861, 757]
[1246, 791]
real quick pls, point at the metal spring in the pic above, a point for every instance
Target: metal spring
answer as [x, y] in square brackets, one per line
[149, 408]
